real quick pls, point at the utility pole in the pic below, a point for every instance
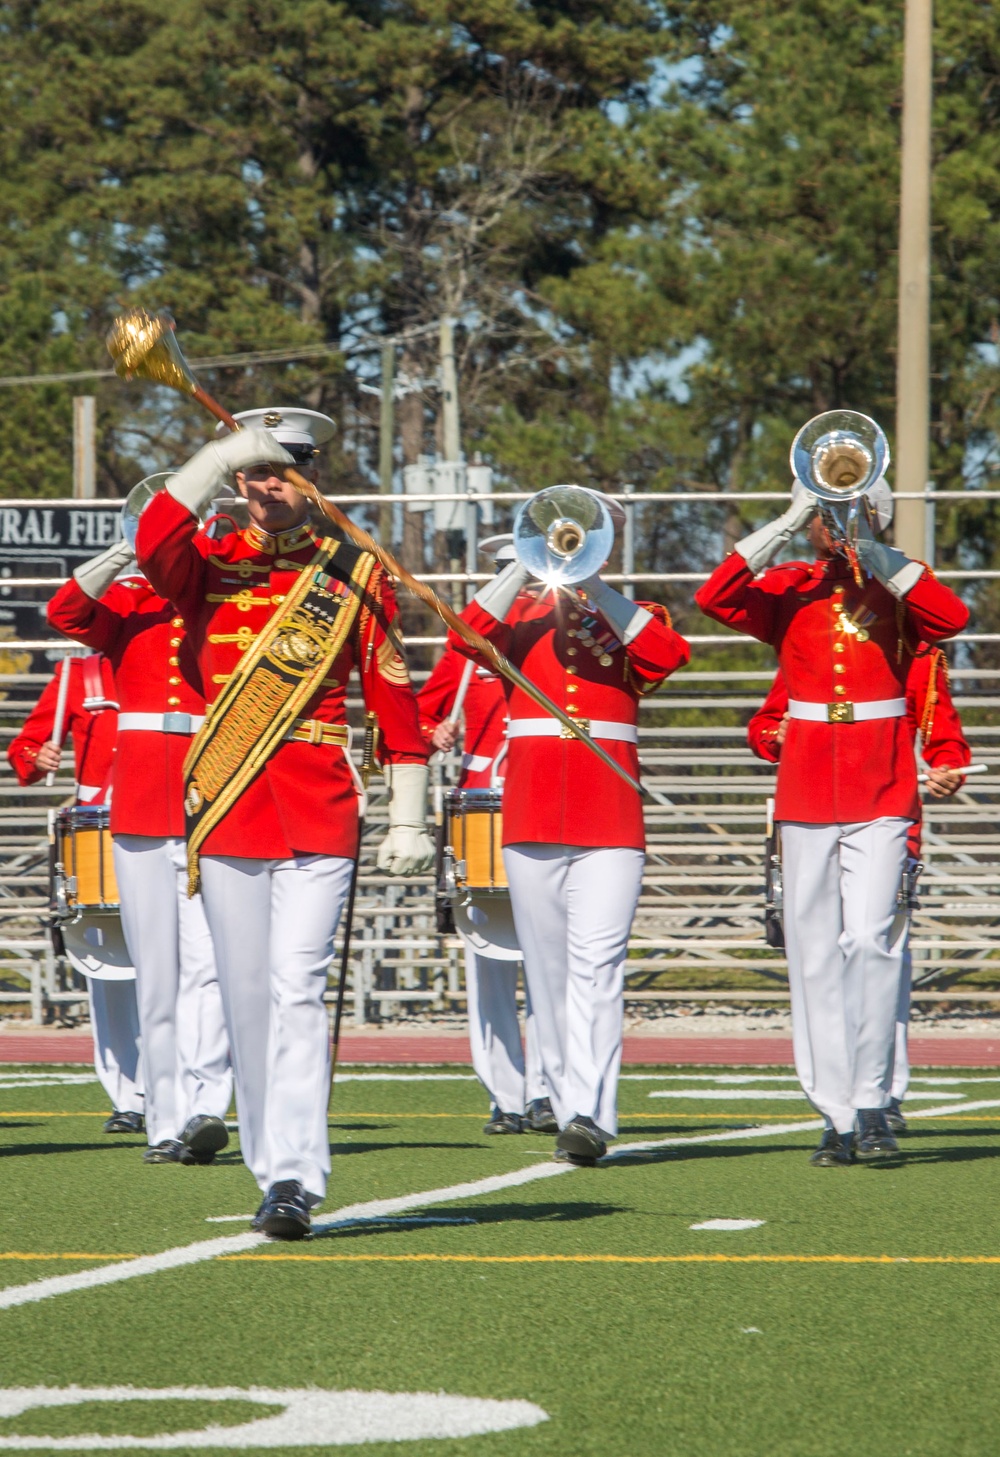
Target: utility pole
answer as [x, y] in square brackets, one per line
[385, 441]
[84, 453]
[913, 397]
[449, 393]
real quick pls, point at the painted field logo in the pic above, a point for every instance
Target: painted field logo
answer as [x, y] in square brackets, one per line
[306, 1418]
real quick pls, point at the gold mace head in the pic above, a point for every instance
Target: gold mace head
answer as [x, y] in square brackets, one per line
[144, 346]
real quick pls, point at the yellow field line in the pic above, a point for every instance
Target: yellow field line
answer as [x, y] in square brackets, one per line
[700, 1259]
[61, 1255]
[692, 1259]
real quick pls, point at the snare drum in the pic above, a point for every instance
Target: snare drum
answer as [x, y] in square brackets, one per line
[84, 864]
[474, 836]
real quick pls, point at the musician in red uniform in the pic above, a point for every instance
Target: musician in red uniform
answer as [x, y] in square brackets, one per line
[185, 1053]
[931, 713]
[278, 615]
[846, 792]
[512, 1077]
[573, 830]
[90, 722]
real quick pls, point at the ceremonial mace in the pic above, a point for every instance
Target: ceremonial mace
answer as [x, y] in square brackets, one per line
[144, 346]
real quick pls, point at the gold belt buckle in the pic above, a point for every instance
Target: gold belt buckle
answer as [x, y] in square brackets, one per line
[583, 723]
[840, 713]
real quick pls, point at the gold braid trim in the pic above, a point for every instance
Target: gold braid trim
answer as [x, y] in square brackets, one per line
[939, 663]
[267, 691]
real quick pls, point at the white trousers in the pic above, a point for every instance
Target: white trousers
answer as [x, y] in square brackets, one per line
[185, 1051]
[511, 1077]
[840, 885]
[573, 909]
[114, 1022]
[273, 923]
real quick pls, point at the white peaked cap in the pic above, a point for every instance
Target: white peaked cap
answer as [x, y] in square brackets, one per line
[500, 548]
[292, 427]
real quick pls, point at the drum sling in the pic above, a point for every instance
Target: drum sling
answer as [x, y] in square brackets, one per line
[276, 678]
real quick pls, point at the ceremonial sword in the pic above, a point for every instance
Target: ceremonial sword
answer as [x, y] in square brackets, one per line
[367, 763]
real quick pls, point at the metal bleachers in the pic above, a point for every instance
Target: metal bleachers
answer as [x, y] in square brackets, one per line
[698, 934]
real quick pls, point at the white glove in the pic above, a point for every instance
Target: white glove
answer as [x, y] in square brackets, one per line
[894, 569]
[406, 849]
[618, 612]
[200, 478]
[499, 595]
[759, 547]
[95, 577]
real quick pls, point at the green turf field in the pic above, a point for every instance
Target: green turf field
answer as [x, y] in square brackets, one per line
[859, 1315]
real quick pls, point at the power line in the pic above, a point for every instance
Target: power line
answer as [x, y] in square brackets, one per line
[224, 361]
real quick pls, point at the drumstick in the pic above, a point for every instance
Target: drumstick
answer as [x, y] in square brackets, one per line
[463, 688]
[60, 719]
[969, 769]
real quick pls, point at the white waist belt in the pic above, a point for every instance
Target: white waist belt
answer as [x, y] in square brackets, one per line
[476, 763]
[551, 728]
[161, 723]
[845, 712]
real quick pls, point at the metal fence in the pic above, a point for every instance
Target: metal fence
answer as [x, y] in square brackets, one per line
[698, 934]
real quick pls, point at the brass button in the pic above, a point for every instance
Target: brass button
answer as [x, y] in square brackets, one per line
[839, 688]
[277, 598]
[838, 647]
[174, 682]
[839, 668]
[570, 687]
[177, 622]
[174, 662]
[175, 642]
[572, 708]
[571, 652]
[570, 670]
[173, 702]
[838, 591]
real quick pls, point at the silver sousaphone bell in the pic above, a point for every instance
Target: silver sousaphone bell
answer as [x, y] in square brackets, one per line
[563, 535]
[839, 456]
[143, 492]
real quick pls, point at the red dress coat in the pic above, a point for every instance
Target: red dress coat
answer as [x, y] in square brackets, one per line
[155, 672]
[485, 709]
[556, 791]
[837, 643]
[92, 731]
[929, 712]
[304, 800]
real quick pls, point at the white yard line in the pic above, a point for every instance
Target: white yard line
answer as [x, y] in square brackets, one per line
[211, 1249]
[947, 1108]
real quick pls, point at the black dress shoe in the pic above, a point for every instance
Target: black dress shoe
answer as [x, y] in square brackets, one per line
[894, 1117]
[284, 1213]
[203, 1137]
[582, 1142]
[873, 1137]
[503, 1122]
[834, 1150]
[540, 1118]
[170, 1151]
[125, 1123]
